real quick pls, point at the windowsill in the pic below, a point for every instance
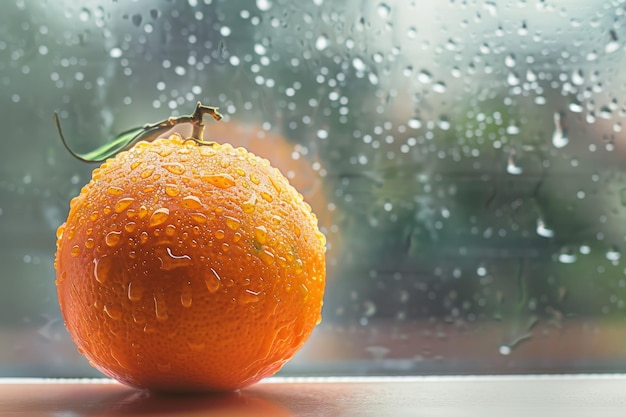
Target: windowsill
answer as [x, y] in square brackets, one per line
[484, 396]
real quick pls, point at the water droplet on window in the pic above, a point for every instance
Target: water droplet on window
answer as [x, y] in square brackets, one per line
[383, 10]
[115, 53]
[322, 42]
[136, 19]
[559, 136]
[263, 5]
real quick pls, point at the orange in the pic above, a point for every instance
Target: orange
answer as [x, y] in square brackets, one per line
[189, 267]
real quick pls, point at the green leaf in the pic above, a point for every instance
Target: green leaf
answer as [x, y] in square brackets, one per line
[121, 142]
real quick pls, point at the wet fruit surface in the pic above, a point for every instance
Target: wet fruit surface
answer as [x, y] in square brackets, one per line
[189, 267]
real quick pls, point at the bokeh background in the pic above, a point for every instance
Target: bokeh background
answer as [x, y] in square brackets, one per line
[466, 159]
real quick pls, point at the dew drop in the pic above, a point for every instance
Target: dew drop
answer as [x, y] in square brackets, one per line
[212, 281]
[170, 261]
[102, 268]
[172, 190]
[192, 202]
[232, 223]
[219, 180]
[160, 308]
[147, 172]
[60, 231]
[130, 226]
[143, 212]
[249, 297]
[159, 216]
[248, 206]
[266, 196]
[174, 167]
[199, 218]
[219, 234]
[260, 234]
[114, 311]
[115, 190]
[186, 295]
[135, 291]
[75, 251]
[267, 257]
[89, 243]
[254, 178]
[123, 204]
[112, 238]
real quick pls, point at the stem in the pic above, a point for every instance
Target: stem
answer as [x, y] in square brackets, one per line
[197, 120]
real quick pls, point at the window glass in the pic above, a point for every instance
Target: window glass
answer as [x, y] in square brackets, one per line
[465, 158]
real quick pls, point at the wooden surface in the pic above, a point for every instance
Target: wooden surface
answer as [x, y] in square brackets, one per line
[531, 396]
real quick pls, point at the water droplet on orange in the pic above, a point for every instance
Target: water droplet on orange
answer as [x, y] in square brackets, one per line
[249, 296]
[170, 230]
[207, 151]
[135, 165]
[159, 216]
[75, 251]
[174, 167]
[248, 206]
[186, 295]
[89, 243]
[123, 204]
[160, 309]
[191, 201]
[260, 234]
[147, 172]
[219, 234]
[114, 311]
[60, 230]
[240, 172]
[267, 257]
[198, 218]
[165, 152]
[143, 237]
[94, 216]
[115, 190]
[143, 212]
[298, 266]
[254, 178]
[102, 268]
[304, 290]
[130, 226]
[266, 196]
[172, 190]
[139, 317]
[212, 281]
[112, 238]
[236, 237]
[232, 223]
[225, 247]
[275, 184]
[135, 291]
[170, 261]
[219, 180]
